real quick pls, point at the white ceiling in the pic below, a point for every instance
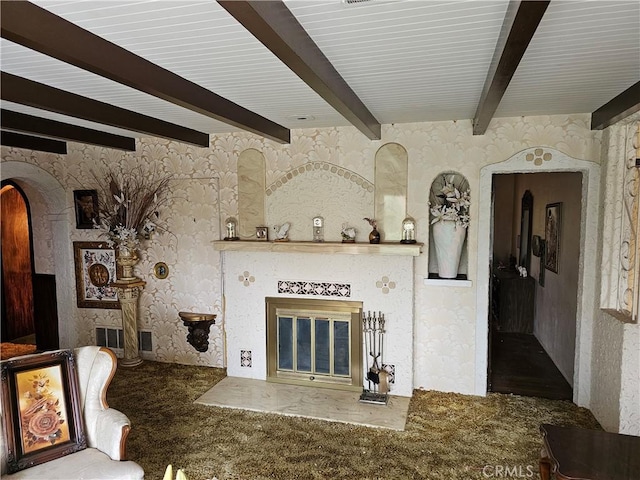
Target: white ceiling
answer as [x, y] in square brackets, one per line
[408, 61]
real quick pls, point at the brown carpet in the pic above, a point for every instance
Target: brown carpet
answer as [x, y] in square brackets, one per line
[9, 350]
[448, 436]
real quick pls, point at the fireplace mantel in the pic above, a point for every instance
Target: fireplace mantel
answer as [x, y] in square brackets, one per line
[413, 249]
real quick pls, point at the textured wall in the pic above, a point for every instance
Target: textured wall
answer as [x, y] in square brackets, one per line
[444, 318]
[615, 392]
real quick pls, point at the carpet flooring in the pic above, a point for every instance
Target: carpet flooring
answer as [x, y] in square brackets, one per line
[10, 350]
[447, 435]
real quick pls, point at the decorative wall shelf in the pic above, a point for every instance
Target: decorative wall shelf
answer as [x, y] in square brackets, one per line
[442, 282]
[413, 249]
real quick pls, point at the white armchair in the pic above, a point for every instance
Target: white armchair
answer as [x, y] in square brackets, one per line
[106, 429]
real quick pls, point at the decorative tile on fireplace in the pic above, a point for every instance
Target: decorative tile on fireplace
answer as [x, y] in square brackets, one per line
[385, 284]
[245, 358]
[246, 278]
[391, 370]
[315, 288]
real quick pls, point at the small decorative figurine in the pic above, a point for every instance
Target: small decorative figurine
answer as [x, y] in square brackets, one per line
[408, 230]
[232, 229]
[282, 232]
[318, 229]
[374, 235]
[348, 233]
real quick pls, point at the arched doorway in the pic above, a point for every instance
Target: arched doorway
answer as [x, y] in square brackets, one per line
[59, 278]
[525, 162]
[16, 250]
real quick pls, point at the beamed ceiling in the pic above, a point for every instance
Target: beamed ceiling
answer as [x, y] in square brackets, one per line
[108, 72]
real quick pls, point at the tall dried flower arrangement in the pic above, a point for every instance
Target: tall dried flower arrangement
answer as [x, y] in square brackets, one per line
[129, 202]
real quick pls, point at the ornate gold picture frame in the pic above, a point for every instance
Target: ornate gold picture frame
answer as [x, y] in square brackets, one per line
[41, 408]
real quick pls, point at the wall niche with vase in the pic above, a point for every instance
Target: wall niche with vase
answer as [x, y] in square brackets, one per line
[449, 203]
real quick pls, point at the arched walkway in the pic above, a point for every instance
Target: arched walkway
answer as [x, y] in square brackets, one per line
[54, 195]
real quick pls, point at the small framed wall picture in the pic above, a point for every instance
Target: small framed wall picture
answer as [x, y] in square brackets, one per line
[86, 207]
[262, 233]
[161, 270]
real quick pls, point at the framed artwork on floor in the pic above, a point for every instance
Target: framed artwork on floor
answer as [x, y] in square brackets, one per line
[552, 225]
[41, 408]
[95, 265]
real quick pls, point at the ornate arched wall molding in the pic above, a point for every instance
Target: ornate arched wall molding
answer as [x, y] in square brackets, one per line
[533, 160]
[55, 197]
[320, 166]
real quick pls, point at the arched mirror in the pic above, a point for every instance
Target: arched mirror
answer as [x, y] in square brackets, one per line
[524, 256]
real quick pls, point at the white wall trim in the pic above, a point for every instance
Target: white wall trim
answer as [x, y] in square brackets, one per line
[525, 162]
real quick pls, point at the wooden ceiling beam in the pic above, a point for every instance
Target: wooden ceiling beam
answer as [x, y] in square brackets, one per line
[276, 27]
[22, 122]
[27, 92]
[13, 139]
[40, 30]
[520, 23]
[625, 104]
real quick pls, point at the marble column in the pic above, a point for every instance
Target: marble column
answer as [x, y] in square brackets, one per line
[128, 293]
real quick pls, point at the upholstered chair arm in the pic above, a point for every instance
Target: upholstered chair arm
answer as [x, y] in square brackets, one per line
[112, 428]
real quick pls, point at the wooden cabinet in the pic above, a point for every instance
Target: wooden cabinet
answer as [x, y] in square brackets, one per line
[513, 302]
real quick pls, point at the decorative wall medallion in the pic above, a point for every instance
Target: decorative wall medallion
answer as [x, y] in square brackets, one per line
[385, 284]
[315, 288]
[246, 278]
[538, 156]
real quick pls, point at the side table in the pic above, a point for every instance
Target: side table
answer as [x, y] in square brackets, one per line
[573, 453]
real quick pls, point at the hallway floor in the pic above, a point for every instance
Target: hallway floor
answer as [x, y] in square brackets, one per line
[519, 365]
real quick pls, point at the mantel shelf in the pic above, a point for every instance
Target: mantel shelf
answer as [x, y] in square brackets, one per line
[413, 249]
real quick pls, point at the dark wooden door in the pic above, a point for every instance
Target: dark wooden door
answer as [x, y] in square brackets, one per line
[17, 265]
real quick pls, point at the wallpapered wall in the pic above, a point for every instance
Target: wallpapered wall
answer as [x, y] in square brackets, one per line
[206, 191]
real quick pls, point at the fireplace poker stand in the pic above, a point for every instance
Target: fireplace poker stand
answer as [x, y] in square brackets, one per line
[377, 377]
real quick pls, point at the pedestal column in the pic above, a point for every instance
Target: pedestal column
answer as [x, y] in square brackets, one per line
[128, 293]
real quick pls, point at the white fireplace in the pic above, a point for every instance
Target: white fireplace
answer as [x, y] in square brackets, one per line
[381, 278]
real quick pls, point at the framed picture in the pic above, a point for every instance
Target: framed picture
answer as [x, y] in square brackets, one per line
[41, 408]
[95, 266]
[86, 206]
[552, 224]
[161, 270]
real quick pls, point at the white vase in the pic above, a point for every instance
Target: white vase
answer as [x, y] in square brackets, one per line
[448, 239]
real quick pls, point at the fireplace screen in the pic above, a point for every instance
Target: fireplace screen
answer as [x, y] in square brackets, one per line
[314, 342]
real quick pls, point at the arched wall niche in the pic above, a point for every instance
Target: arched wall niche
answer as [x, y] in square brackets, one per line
[34, 179]
[455, 186]
[534, 160]
[251, 186]
[390, 199]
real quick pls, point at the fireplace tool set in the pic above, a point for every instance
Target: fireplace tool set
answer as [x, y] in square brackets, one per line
[377, 377]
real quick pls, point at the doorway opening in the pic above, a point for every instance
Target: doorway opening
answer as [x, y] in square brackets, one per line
[29, 303]
[18, 320]
[533, 295]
